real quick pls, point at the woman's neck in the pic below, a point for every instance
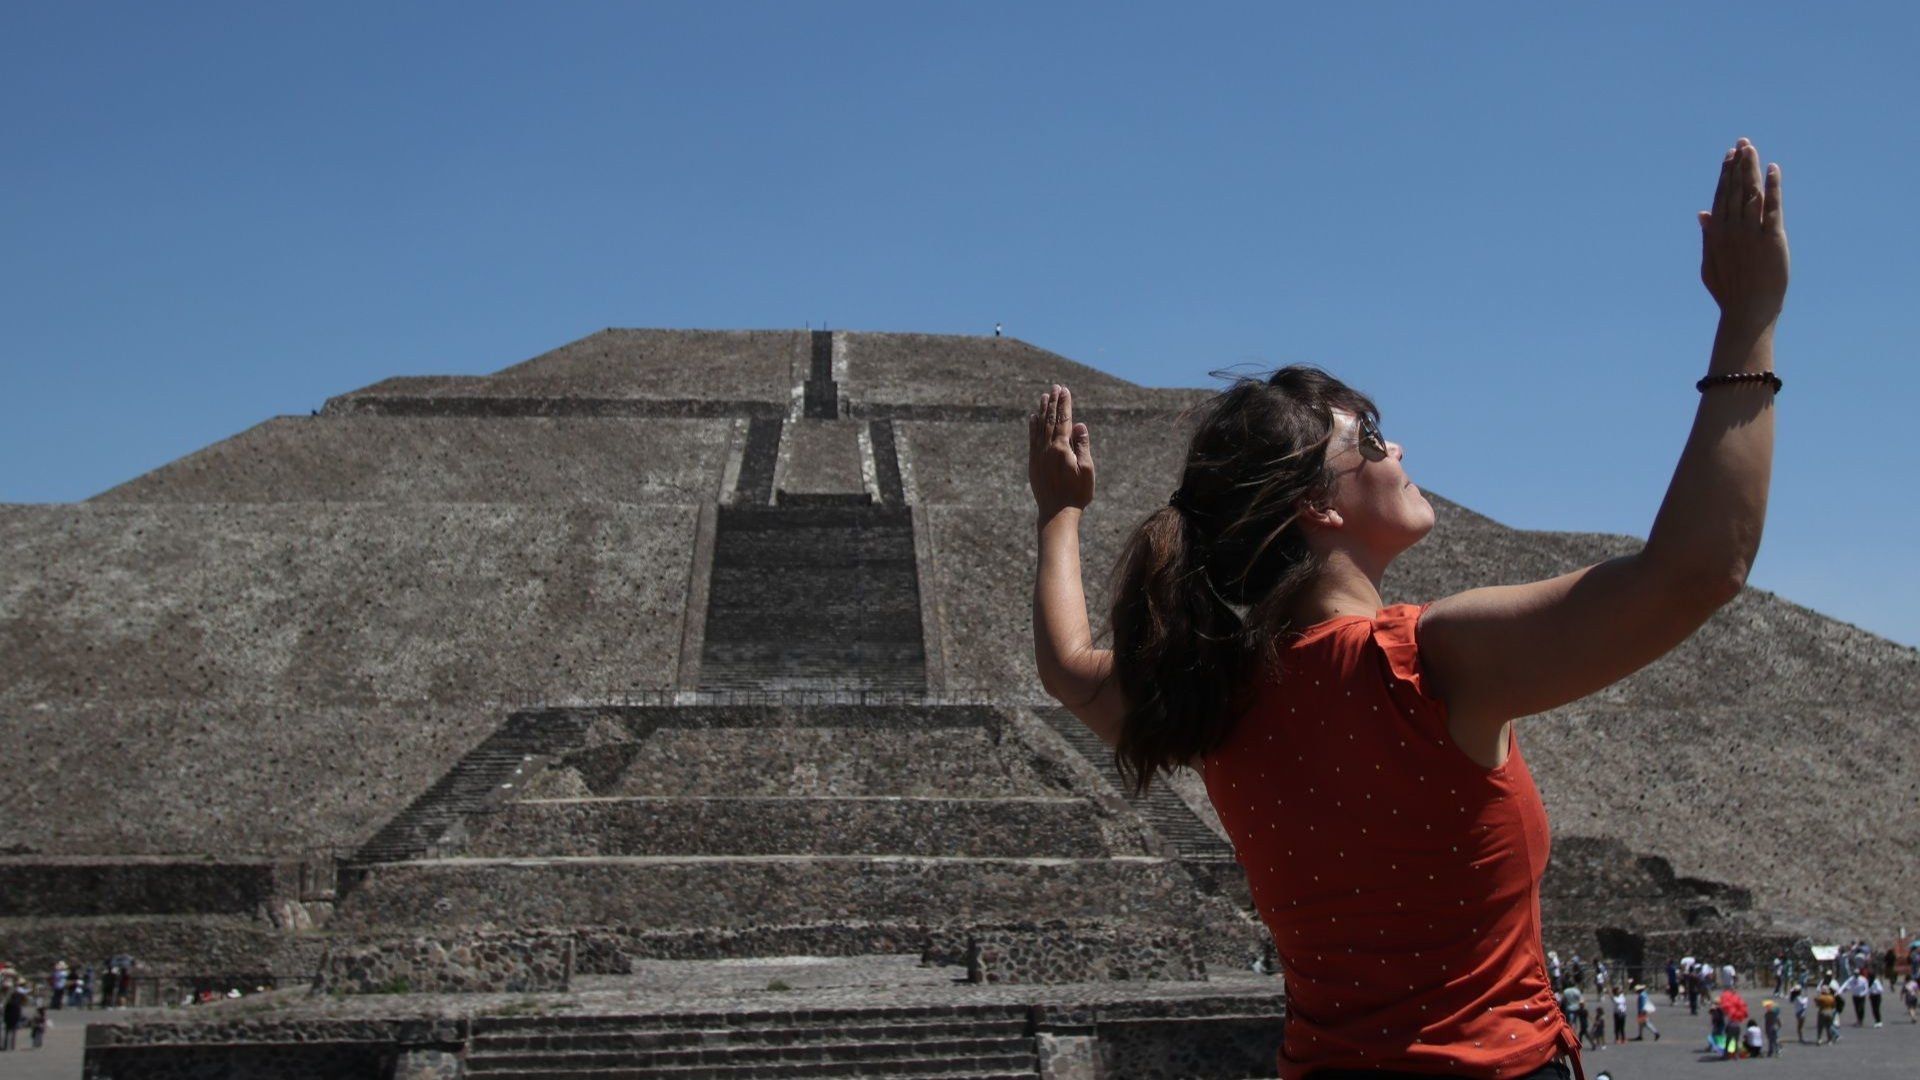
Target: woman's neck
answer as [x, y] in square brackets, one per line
[1341, 588]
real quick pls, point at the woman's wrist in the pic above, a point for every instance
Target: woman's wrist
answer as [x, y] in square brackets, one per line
[1748, 323]
[1068, 515]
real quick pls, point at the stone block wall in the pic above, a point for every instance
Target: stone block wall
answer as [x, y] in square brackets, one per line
[87, 887]
[296, 1061]
[1073, 955]
[234, 1042]
[804, 825]
[461, 964]
[819, 760]
[246, 949]
[674, 893]
[610, 950]
[408, 459]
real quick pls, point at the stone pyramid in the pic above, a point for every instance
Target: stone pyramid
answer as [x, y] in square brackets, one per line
[718, 643]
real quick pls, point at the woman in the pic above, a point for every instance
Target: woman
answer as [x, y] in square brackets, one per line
[1363, 758]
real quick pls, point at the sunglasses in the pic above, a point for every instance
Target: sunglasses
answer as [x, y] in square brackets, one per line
[1371, 445]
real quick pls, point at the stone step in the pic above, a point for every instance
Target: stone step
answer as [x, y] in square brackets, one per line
[783, 497]
[758, 458]
[823, 1051]
[906, 1064]
[630, 1037]
[849, 677]
[813, 596]
[751, 1020]
[792, 825]
[1169, 816]
[474, 783]
[677, 892]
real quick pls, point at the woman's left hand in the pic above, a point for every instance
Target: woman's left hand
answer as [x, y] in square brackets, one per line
[1059, 455]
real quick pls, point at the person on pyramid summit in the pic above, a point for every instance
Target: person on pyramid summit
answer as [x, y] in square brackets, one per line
[1364, 757]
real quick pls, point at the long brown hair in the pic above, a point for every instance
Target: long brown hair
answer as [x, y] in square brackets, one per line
[1201, 590]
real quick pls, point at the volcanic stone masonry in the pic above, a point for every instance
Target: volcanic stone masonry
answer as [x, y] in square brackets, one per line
[668, 652]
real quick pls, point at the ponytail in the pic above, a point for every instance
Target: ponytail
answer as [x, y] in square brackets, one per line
[1202, 589]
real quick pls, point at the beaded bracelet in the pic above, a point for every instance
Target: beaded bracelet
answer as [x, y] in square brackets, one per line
[1739, 377]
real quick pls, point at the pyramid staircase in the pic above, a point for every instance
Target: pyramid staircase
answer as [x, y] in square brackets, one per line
[479, 782]
[988, 1042]
[814, 597]
[1169, 816]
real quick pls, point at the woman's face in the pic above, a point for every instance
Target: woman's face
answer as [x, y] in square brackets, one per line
[1380, 508]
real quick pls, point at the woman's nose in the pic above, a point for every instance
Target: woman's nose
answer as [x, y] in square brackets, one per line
[1398, 451]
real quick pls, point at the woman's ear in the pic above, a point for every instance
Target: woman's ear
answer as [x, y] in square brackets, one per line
[1319, 514]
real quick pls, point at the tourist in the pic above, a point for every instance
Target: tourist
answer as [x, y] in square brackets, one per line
[1600, 977]
[1856, 990]
[1875, 989]
[10, 1016]
[1716, 1028]
[108, 984]
[1250, 644]
[1779, 975]
[1756, 1041]
[128, 992]
[40, 1026]
[57, 982]
[1910, 994]
[1770, 1009]
[1826, 1003]
[1729, 976]
[1643, 1007]
[1553, 970]
[1619, 1015]
[1673, 982]
[1574, 1004]
[1799, 1014]
[1599, 1032]
[1576, 972]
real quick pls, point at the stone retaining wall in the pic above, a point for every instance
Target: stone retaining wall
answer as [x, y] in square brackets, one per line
[676, 893]
[76, 887]
[297, 1061]
[461, 964]
[819, 760]
[610, 950]
[164, 945]
[800, 826]
[1079, 954]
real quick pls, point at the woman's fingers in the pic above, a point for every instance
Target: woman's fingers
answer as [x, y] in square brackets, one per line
[1773, 222]
[1063, 417]
[1751, 208]
[1722, 191]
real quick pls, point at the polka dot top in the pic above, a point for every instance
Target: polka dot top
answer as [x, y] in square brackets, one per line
[1400, 878]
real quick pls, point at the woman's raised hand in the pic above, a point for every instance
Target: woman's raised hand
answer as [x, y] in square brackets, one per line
[1743, 259]
[1059, 455]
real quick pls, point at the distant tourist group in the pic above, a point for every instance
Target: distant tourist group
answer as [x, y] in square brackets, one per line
[26, 1005]
[1855, 974]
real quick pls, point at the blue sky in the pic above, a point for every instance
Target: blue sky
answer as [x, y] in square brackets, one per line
[1481, 214]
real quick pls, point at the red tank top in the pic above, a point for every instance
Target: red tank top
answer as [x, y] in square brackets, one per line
[1400, 879]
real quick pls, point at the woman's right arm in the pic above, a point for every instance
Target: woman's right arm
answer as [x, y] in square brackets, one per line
[1499, 653]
